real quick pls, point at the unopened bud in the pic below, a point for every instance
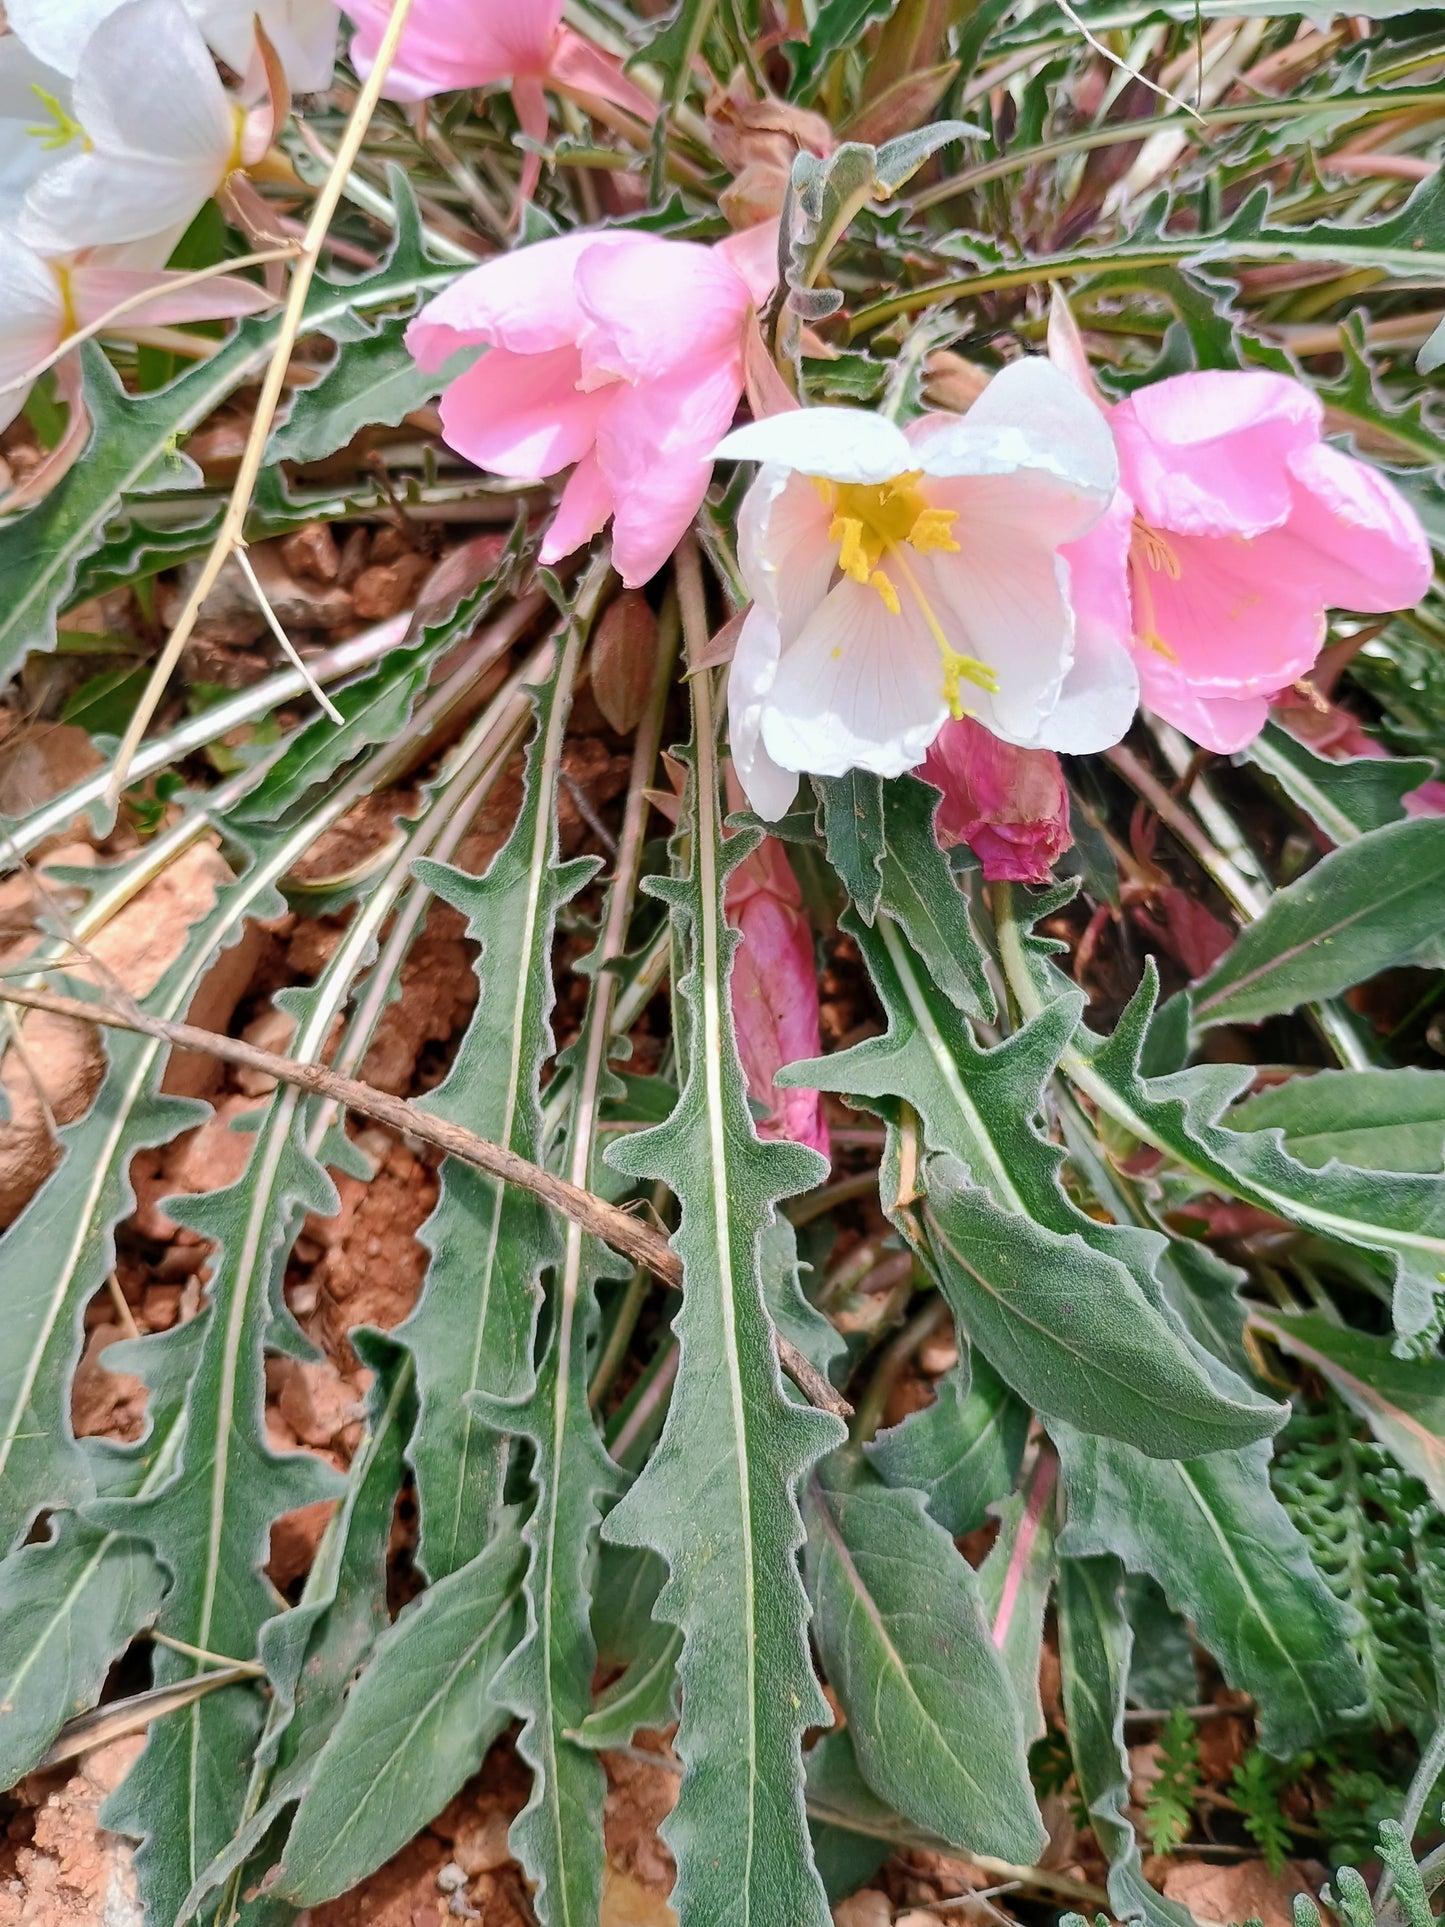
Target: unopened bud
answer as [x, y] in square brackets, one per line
[1009, 805]
[624, 660]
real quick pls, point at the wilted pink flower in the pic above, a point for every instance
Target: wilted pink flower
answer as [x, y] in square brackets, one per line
[618, 354]
[775, 992]
[451, 44]
[1008, 805]
[1244, 527]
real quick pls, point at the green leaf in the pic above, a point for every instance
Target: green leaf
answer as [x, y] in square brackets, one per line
[1067, 1310]
[716, 1498]
[905, 1645]
[850, 812]
[1359, 910]
[314, 1651]
[1376, 1120]
[831, 190]
[472, 1330]
[1094, 1642]
[837, 27]
[1346, 798]
[920, 893]
[133, 447]
[416, 1725]
[963, 1451]
[1014, 1583]
[1224, 1550]
[71, 1604]
[1401, 1400]
[372, 383]
[853, 1830]
[1399, 1215]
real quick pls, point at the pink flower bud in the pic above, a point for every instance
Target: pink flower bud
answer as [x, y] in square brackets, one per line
[1008, 805]
[775, 992]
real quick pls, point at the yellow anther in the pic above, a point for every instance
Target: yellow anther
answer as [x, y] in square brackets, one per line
[853, 556]
[1155, 550]
[933, 529]
[885, 588]
[959, 669]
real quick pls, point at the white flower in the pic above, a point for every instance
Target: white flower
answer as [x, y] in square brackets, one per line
[303, 32]
[36, 125]
[44, 300]
[161, 136]
[900, 576]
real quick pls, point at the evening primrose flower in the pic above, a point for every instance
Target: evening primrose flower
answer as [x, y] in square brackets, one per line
[1236, 526]
[902, 576]
[301, 32]
[43, 300]
[161, 136]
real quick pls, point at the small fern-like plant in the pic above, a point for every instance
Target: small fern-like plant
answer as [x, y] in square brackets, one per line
[1169, 1803]
[1256, 1786]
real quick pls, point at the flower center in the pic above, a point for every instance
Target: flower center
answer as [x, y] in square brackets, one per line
[1149, 555]
[872, 520]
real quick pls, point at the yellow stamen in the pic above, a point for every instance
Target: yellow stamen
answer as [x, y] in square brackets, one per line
[1149, 555]
[60, 128]
[876, 519]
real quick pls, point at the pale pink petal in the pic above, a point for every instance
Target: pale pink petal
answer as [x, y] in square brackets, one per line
[522, 415]
[1221, 723]
[753, 255]
[451, 44]
[585, 505]
[1207, 454]
[1100, 691]
[1353, 535]
[655, 307]
[1030, 418]
[1232, 618]
[577, 67]
[524, 300]
[859, 688]
[769, 789]
[654, 445]
[1067, 351]
[1003, 600]
[96, 291]
[32, 320]
[784, 552]
[843, 444]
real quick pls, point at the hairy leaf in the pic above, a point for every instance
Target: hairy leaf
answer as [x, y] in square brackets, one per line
[716, 1498]
[1067, 1310]
[963, 1451]
[1377, 1120]
[1014, 1583]
[1360, 909]
[373, 382]
[1348, 798]
[489, 1242]
[901, 1628]
[415, 1726]
[1094, 1643]
[1223, 1548]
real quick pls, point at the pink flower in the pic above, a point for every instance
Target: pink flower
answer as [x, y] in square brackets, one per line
[1235, 528]
[620, 355]
[450, 44]
[1008, 805]
[775, 992]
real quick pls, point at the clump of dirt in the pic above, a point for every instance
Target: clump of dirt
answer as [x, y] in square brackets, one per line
[72, 1870]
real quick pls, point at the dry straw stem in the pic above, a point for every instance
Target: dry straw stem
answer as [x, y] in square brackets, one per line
[231, 535]
[605, 1221]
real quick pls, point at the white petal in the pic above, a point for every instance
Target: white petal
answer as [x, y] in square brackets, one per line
[783, 548]
[1029, 417]
[56, 31]
[303, 32]
[769, 789]
[92, 199]
[147, 86]
[1005, 602]
[1097, 702]
[845, 444]
[861, 688]
[32, 319]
